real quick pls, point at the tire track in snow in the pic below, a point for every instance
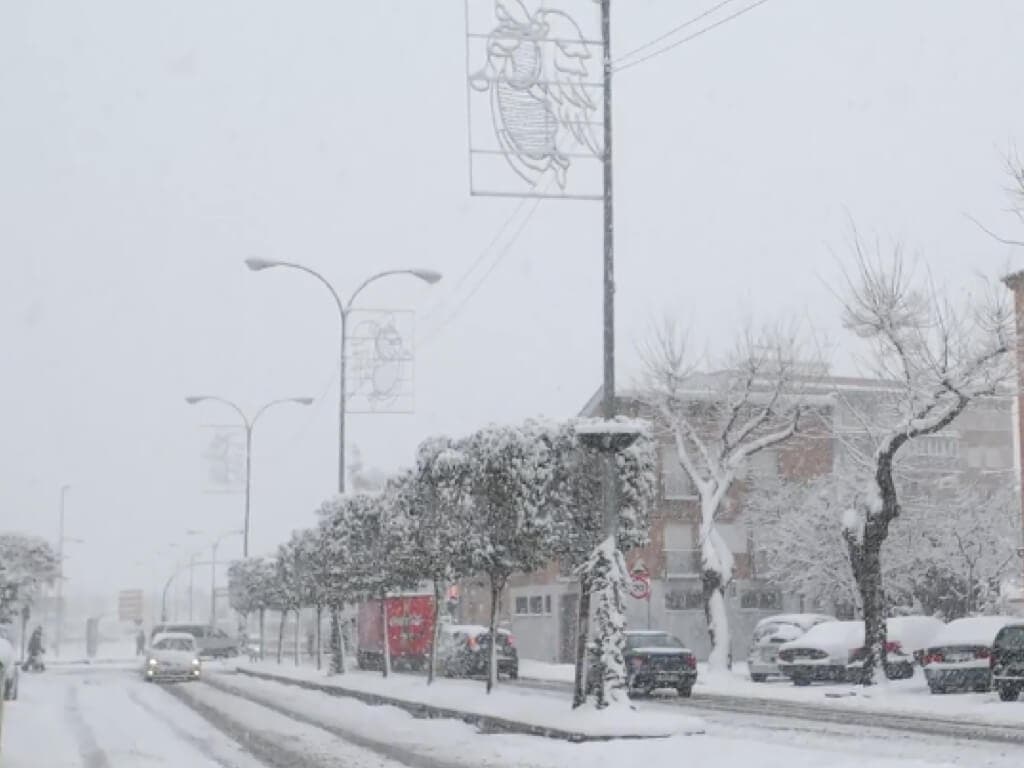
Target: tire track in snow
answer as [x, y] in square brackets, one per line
[92, 755]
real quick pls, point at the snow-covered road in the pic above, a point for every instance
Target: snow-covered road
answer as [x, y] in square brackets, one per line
[107, 717]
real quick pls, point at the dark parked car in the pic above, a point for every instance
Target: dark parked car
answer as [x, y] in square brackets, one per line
[1008, 662]
[653, 660]
[463, 651]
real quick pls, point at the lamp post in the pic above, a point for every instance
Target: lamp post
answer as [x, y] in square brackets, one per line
[426, 275]
[249, 424]
[60, 573]
[213, 573]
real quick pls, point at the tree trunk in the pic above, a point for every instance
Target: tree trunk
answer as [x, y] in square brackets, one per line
[492, 653]
[867, 571]
[713, 595]
[319, 613]
[280, 634]
[385, 664]
[263, 633]
[298, 625]
[337, 666]
[579, 694]
[435, 632]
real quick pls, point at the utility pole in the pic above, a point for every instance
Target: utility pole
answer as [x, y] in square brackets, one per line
[611, 507]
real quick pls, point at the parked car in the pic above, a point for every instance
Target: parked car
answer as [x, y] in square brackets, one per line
[172, 656]
[959, 657]
[8, 670]
[210, 641]
[1008, 661]
[463, 651]
[906, 639]
[654, 660]
[770, 633]
[410, 631]
[822, 654]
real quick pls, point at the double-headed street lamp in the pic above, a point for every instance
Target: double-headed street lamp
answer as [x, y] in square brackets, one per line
[249, 424]
[426, 275]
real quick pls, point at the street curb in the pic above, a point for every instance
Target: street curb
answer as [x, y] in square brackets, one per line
[486, 723]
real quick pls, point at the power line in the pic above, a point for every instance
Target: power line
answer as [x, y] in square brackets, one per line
[494, 265]
[688, 38]
[679, 28]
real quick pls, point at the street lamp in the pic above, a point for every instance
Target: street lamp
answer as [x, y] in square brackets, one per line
[428, 276]
[213, 573]
[249, 424]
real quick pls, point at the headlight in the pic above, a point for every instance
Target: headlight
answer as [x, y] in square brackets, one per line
[152, 662]
[195, 662]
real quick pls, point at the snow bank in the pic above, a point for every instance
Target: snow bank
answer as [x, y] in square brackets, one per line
[515, 704]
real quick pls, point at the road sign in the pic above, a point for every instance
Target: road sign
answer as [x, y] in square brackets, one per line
[129, 605]
[640, 585]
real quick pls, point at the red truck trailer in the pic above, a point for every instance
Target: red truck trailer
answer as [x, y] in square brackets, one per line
[410, 631]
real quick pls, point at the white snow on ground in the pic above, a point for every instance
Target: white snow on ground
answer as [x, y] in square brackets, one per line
[80, 718]
[456, 742]
[509, 702]
[910, 697]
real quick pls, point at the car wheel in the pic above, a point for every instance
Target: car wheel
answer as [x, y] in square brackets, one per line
[1009, 692]
[686, 691]
[758, 678]
[801, 680]
[936, 689]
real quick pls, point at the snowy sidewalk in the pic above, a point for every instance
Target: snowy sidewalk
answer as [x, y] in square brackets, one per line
[506, 709]
[898, 697]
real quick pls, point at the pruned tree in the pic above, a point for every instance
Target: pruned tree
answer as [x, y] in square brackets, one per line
[500, 473]
[338, 546]
[27, 563]
[251, 590]
[938, 358]
[436, 526]
[316, 580]
[717, 421]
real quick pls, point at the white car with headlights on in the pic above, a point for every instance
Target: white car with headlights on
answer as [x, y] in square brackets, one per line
[172, 656]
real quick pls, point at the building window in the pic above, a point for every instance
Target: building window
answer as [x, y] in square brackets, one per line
[761, 600]
[533, 605]
[675, 481]
[683, 600]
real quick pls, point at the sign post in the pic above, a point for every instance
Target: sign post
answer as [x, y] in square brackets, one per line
[640, 586]
[130, 605]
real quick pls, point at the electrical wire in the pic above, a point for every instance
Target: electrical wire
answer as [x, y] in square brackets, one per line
[678, 28]
[688, 38]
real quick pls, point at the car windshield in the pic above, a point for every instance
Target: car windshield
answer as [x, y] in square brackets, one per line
[174, 644]
[654, 640]
[778, 627]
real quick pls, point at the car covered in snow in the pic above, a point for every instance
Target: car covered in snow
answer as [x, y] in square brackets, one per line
[172, 656]
[958, 657]
[906, 639]
[834, 651]
[210, 641]
[463, 651]
[769, 635]
[1008, 661]
[653, 660]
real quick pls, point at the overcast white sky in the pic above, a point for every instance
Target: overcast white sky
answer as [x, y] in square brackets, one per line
[146, 149]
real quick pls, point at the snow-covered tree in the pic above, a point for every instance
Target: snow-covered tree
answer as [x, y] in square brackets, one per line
[27, 563]
[500, 474]
[436, 526]
[316, 579]
[938, 358]
[574, 499]
[717, 421]
[251, 590]
[609, 582]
